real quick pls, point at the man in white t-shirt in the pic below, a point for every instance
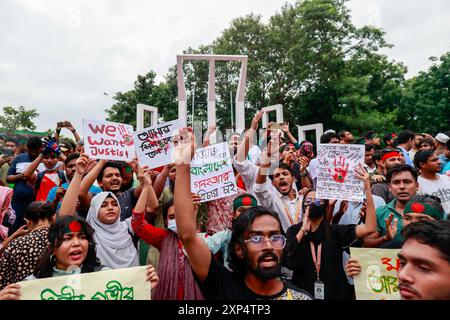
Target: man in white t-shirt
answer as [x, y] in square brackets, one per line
[430, 182]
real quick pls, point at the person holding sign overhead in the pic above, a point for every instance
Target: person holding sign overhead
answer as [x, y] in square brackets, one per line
[314, 248]
[255, 247]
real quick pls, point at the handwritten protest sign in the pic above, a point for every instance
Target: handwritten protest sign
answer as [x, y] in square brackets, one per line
[212, 175]
[118, 284]
[108, 140]
[154, 145]
[378, 278]
[336, 178]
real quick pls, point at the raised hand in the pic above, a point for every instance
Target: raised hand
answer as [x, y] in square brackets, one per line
[306, 223]
[362, 174]
[184, 146]
[60, 193]
[391, 227]
[256, 119]
[304, 163]
[69, 125]
[285, 127]
[82, 164]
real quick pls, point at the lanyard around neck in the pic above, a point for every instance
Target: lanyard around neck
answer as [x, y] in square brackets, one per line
[317, 260]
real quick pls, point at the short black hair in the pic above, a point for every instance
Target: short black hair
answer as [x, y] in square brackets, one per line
[341, 133]
[426, 141]
[283, 166]
[34, 143]
[433, 233]
[326, 137]
[39, 210]
[369, 134]
[376, 156]
[242, 224]
[399, 169]
[405, 136]
[422, 157]
[109, 164]
[11, 139]
[369, 147]
[71, 157]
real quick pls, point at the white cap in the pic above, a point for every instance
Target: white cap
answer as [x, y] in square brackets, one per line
[442, 138]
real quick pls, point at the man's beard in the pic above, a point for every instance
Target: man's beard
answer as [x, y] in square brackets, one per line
[264, 273]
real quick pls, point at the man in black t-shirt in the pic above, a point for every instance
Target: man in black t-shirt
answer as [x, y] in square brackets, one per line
[255, 247]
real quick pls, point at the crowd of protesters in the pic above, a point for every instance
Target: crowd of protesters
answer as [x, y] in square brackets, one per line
[274, 239]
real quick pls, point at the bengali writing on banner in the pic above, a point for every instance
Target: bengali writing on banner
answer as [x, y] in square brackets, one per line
[118, 284]
[336, 172]
[154, 146]
[108, 140]
[212, 175]
[378, 279]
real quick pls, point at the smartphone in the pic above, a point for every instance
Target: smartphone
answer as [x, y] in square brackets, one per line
[7, 152]
[275, 126]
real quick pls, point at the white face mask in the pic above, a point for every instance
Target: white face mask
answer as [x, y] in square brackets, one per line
[171, 225]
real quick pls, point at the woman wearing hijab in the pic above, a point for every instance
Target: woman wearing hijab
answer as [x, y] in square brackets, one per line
[115, 247]
[71, 250]
[314, 247]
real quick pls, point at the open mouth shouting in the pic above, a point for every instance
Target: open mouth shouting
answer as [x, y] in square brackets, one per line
[284, 187]
[75, 255]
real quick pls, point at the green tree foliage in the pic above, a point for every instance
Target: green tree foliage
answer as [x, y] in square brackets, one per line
[145, 91]
[312, 59]
[17, 118]
[426, 100]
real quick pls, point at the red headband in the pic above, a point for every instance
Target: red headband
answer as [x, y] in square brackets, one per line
[390, 155]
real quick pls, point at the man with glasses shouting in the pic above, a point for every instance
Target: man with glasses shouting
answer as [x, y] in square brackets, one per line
[255, 247]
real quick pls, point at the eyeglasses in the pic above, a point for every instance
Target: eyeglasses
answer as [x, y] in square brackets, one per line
[277, 241]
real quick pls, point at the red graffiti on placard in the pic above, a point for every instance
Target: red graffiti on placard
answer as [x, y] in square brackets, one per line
[127, 138]
[340, 170]
[390, 267]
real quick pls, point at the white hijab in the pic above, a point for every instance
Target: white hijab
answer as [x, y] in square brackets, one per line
[114, 244]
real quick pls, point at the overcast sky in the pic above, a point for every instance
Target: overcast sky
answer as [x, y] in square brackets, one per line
[61, 56]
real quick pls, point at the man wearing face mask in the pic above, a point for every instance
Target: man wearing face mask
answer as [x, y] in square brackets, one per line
[314, 248]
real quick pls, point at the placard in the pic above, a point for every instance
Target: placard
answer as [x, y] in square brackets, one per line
[118, 284]
[108, 140]
[336, 172]
[154, 145]
[378, 279]
[212, 175]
